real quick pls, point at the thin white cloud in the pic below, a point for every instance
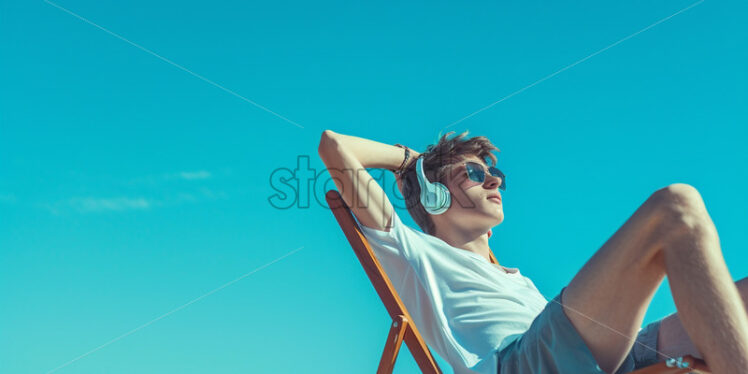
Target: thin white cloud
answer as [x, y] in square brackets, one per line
[161, 190]
[199, 195]
[91, 204]
[212, 195]
[191, 175]
[160, 179]
[97, 204]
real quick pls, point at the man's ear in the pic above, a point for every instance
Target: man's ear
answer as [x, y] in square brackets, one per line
[459, 196]
[490, 232]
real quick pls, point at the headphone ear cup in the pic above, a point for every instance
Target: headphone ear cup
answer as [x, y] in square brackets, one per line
[434, 196]
[442, 198]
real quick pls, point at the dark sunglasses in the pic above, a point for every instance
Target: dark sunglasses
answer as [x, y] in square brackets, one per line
[477, 173]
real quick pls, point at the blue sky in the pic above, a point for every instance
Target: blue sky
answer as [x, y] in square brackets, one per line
[136, 231]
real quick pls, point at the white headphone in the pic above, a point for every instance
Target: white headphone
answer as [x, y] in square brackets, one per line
[435, 196]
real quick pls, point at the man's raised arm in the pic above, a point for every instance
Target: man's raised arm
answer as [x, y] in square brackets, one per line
[347, 158]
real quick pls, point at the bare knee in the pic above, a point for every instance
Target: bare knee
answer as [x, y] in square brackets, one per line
[682, 203]
[683, 212]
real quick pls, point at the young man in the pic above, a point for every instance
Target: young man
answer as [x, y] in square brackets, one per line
[482, 317]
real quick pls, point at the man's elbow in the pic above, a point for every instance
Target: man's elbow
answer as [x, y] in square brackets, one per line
[327, 142]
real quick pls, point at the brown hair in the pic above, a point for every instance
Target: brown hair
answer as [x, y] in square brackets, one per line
[437, 161]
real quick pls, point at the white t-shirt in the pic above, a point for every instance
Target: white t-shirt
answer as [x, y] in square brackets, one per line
[465, 307]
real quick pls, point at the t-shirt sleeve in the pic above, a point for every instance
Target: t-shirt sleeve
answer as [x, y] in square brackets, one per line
[393, 242]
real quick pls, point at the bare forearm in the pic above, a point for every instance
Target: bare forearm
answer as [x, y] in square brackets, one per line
[346, 158]
[371, 154]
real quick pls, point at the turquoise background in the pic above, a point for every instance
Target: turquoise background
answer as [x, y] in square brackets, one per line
[130, 187]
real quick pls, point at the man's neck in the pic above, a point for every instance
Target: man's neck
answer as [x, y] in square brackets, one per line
[475, 242]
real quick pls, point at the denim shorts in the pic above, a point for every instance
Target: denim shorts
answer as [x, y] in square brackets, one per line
[553, 345]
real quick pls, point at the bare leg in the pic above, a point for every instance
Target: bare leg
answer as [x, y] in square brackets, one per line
[670, 233]
[672, 338]
[707, 300]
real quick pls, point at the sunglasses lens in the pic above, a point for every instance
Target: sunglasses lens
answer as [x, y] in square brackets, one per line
[475, 172]
[497, 173]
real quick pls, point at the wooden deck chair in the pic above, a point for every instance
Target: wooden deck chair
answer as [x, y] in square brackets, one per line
[404, 330]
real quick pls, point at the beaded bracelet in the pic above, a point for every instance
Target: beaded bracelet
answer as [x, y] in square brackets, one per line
[399, 170]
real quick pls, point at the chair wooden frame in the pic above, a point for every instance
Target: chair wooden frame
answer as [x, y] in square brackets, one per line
[403, 329]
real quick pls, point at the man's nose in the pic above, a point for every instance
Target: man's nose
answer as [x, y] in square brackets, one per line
[492, 182]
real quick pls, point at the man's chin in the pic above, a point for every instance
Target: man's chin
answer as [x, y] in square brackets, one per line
[499, 218]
